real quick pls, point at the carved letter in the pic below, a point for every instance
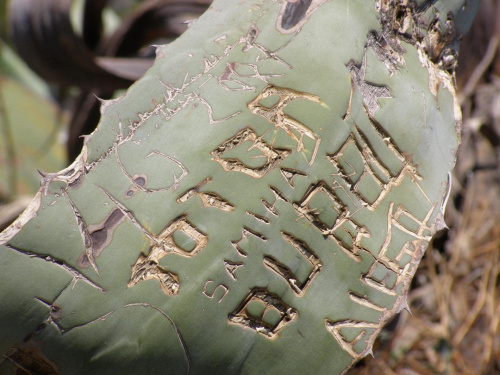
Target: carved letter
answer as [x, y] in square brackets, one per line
[224, 288]
[274, 156]
[243, 317]
[368, 329]
[298, 288]
[276, 115]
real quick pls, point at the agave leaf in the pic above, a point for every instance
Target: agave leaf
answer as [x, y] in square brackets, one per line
[257, 203]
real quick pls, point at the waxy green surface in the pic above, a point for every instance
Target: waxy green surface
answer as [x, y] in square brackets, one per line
[230, 232]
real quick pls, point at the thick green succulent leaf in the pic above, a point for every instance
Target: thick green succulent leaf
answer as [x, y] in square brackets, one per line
[257, 203]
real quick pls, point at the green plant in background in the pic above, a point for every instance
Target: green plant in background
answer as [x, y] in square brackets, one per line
[257, 203]
[24, 148]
